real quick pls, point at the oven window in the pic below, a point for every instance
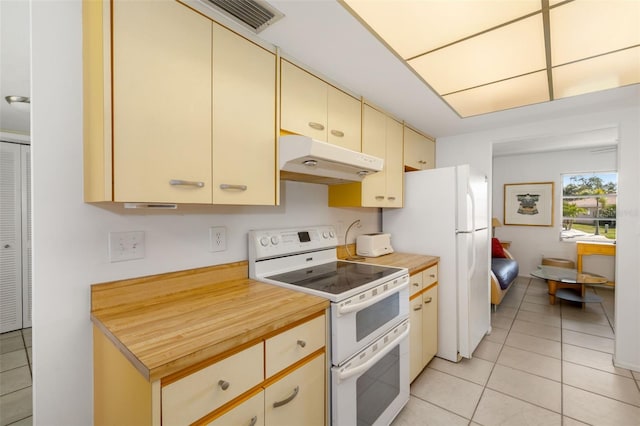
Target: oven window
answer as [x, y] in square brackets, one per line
[377, 316]
[378, 387]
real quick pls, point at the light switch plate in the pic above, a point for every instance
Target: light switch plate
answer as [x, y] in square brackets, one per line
[126, 246]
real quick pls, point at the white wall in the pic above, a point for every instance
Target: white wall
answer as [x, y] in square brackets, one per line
[476, 149]
[531, 243]
[70, 237]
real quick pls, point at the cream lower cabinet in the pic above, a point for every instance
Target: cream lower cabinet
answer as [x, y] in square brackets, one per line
[423, 317]
[381, 137]
[277, 381]
[177, 108]
[309, 106]
[419, 151]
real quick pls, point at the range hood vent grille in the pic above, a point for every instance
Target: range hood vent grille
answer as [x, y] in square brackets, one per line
[254, 14]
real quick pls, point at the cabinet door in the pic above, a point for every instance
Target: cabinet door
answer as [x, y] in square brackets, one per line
[415, 337]
[244, 121]
[374, 143]
[419, 151]
[303, 102]
[249, 413]
[429, 324]
[161, 102]
[394, 163]
[344, 120]
[299, 397]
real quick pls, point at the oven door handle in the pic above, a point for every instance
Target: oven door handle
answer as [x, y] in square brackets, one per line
[342, 310]
[345, 374]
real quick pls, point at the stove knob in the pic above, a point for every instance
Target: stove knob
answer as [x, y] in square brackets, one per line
[275, 240]
[332, 234]
[264, 241]
[325, 235]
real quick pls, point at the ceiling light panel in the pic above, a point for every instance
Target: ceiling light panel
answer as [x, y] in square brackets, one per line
[585, 28]
[600, 73]
[505, 52]
[412, 28]
[520, 91]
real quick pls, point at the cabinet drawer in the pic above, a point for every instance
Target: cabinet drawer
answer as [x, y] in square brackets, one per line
[193, 396]
[415, 284]
[293, 345]
[429, 276]
[250, 412]
[298, 398]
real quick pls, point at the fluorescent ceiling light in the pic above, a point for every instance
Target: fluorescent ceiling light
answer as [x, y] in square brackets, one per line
[476, 53]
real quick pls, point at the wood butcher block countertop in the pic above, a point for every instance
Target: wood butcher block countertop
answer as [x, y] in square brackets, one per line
[415, 263]
[166, 323]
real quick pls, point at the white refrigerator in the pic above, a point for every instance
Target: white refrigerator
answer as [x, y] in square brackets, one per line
[446, 214]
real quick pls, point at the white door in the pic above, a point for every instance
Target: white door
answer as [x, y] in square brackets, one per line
[10, 238]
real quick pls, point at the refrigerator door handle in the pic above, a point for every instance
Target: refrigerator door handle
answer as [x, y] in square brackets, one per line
[472, 268]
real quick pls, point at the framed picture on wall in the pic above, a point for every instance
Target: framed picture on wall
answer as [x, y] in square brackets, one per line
[528, 204]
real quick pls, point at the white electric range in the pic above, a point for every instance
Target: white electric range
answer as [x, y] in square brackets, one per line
[369, 317]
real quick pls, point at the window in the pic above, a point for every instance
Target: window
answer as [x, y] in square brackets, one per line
[589, 206]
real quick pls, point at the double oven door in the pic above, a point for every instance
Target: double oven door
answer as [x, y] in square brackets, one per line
[372, 387]
[360, 320]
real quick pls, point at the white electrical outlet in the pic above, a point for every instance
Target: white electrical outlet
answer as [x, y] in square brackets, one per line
[217, 238]
[126, 246]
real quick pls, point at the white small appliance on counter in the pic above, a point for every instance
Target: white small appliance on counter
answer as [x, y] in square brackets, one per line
[373, 245]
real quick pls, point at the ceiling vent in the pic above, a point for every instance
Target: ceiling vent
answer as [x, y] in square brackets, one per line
[254, 14]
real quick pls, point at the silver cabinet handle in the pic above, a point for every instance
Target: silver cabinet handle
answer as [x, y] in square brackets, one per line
[391, 198]
[316, 126]
[253, 421]
[416, 284]
[432, 275]
[302, 343]
[337, 133]
[379, 197]
[287, 400]
[422, 162]
[428, 300]
[418, 308]
[233, 187]
[224, 385]
[180, 182]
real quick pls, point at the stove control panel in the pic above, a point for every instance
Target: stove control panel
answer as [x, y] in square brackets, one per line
[268, 243]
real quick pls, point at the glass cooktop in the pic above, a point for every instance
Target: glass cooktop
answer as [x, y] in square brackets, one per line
[334, 277]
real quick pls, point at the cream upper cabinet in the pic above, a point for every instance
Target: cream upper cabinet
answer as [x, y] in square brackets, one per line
[381, 137]
[161, 103]
[244, 114]
[192, 106]
[419, 151]
[309, 106]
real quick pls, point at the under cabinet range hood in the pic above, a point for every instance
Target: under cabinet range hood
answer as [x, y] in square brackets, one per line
[308, 160]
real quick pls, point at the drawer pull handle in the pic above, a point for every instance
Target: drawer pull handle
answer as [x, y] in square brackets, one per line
[337, 133]
[416, 284]
[418, 308]
[422, 162]
[391, 198]
[288, 400]
[302, 343]
[180, 182]
[233, 187]
[224, 385]
[432, 275]
[316, 126]
[428, 300]
[379, 197]
[254, 420]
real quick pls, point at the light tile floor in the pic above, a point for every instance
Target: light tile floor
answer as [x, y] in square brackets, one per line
[16, 378]
[542, 364]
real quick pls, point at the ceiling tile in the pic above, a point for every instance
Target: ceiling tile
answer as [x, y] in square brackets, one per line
[505, 52]
[585, 28]
[520, 91]
[415, 27]
[599, 73]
